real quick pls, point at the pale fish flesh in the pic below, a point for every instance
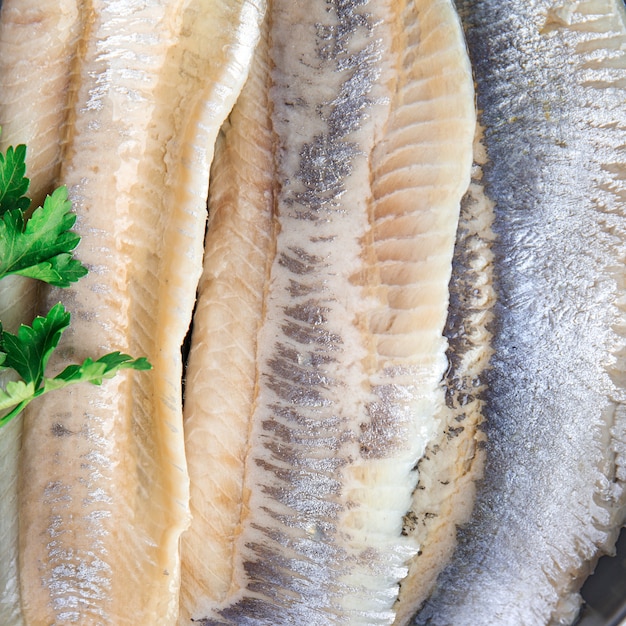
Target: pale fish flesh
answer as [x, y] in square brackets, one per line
[38, 40]
[551, 83]
[221, 370]
[104, 488]
[454, 460]
[327, 358]
[37, 43]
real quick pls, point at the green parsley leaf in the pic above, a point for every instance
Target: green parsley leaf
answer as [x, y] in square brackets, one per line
[13, 183]
[17, 394]
[95, 371]
[28, 351]
[40, 247]
[59, 271]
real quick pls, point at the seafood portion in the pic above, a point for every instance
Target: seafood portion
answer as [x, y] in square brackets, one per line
[551, 83]
[104, 488]
[333, 419]
[331, 352]
[454, 460]
[37, 43]
[38, 39]
[221, 372]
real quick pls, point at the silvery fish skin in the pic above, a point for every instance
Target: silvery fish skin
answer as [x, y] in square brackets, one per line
[551, 83]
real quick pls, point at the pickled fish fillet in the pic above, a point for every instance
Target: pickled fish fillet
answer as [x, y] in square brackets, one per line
[102, 509]
[18, 300]
[37, 43]
[368, 142]
[454, 460]
[17, 305]
[222, 363]
[38, 40]
[551, 83]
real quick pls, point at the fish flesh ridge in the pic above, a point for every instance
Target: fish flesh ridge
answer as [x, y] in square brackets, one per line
[101, 512]
[323, 301]
[551, 80]
[222, 359]
[454, 460]
[37, 41]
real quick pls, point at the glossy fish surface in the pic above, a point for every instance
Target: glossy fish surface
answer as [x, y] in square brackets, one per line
[333, 337]
[104, 489]
[551, 85]
[37, 50]
[38, 39]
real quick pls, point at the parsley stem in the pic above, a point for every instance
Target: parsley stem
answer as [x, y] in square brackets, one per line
[14, 412]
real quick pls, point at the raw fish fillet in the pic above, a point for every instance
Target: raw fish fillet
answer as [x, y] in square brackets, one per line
[104, 488]
[302, 448]
[551, 84]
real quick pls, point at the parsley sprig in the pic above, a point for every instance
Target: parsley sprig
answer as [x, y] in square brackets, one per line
[13, 182]
[40, 246]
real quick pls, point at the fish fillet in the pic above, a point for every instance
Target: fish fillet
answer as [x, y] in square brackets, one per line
[37, 40]
[18, 300]
[452, 463]
[222, 359]
[101, 511]
[368, 143]
[551, 83]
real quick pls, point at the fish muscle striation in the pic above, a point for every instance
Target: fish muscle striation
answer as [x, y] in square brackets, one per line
[104, 488]
[37, 50]
[454, 460]
[332, 373]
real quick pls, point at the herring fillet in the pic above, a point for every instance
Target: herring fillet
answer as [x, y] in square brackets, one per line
[551, 82]
[221, 363]
[371, 155]
[18, 301]
[18, 297]
[454, 460]
[37, 41]
[102, 510]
